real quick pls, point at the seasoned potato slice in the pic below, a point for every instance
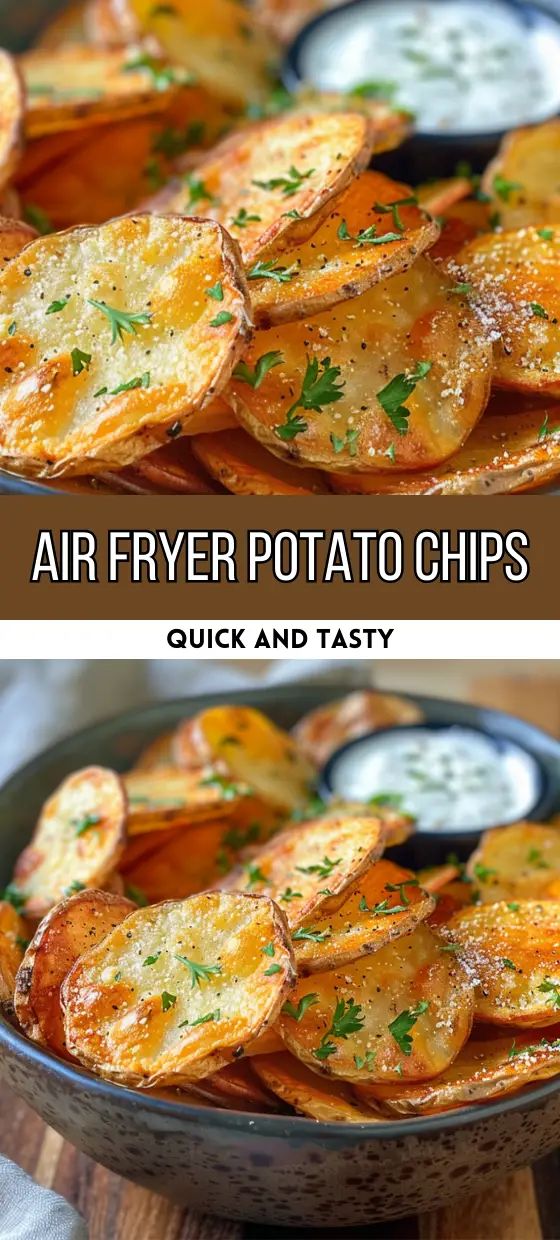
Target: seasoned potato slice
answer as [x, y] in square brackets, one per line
[72, 87]
[12, 947]
[79, 838]
[70, 928]
[516, 292]
[244, 468]
[109, 341]
[512, 951]
[401, 1014]
[268, 1043]
[522, 860]
[523, 180]
[354, 248]
[485, 1068]
[11, 116]
[176, 469]
[399, 377]
[176, 864]
[169, 797]
[264, 183]
[237, 1082]
[310, 1094]
[437, 197]
[251, 748]
[455, 895]
[321, 731]
[177, 989]
[156, 753]
[64, 27]
[306, 865]
[386, 902]
[14, 234]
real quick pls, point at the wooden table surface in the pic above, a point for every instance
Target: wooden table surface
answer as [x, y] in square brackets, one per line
[524, 1206]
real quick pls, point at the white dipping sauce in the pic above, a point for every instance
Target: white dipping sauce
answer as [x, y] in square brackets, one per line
[458, 65]
[449, 779]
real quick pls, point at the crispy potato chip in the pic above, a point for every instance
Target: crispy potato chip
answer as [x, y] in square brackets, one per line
[12, 947]
[523, 180]
[522, 860]
[321, 731]
[170, 797]
[186, 861]
[79, 839]
[449, 899]
[354, 248]
[175, 469]
[70, 928]
[156, 753]
[466, 219]
[101, 26]
[484, 1069]
[237, 1081]
[438, 197]
[386, 902]
[72, 87]
[11, 116]
[513, 954]
[410, 339]
[193, 985]
[268, 1043]
[309, 1094]
[436, 877]
[266, 183]
[251, 749]
[116, 343]
[304, 866]
[516, 293]
[390, 126]
[244, 468]
[402, 1014]
[14, 235]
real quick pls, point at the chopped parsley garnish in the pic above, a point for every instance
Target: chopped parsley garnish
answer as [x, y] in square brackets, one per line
[451, 947]
[320, 387]
[400, 887]
[163, 10]
[513, 907]
[37, 218]
[56, 306]
[366, 236]
[150, 960]
[323, 868]
[221, 783]
[254, 875]
[224, 316]
[347, 1019]
[23, 944]
[268, 950]
[314, 808]
[507, 963]
[313, 936]
[243, 218]
[386, 798]
[289, 184]
[348, 443]
[254, 377]
[462, 290]
[81, 825]
[199, 972]
[292, 215]
[162, 75]
[383, 909]
[14, 896]
[136, 894]
[538, 310]
[271, 271]
[73, 887]
[288, 895]
[297, 1013]
[392, 208]
[545, 429]
[120, 320]
[393, 396]
[483, 872]
[198, 191]
[382, 89]
[544, 1044]
[201, 1020]
[402, 1024]
[535, 857]
[167, 1001]
[551, 988]
[547, 234]
[12, 328]
[80, 361]
[140, 381]
[365, 1061]
[504, 188]
[216, 291]
[273, 968]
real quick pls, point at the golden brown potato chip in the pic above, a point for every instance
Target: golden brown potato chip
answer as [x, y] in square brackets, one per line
[396, 378]
[156, 753]
[305, 866]
[309, 1094]
[455, 895]
[244, 468]
[12, 947]
[111, 338]
[403, 1013]
[386, 902]
[14, 235]
[238, 1082]
[268, 1043]
[11, 116]
[438, 197]
[523, 180]
[169, 797]
[78, 840]
[175, 469]
[321, 731]
[354, 248]
[485, 1068]
[512, 951]
[177, 989]
[250, 748]
[69, 930]
[518, 861]
[515, 290]
[265, 183]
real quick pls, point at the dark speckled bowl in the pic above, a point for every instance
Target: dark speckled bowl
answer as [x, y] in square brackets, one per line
[266, 1168]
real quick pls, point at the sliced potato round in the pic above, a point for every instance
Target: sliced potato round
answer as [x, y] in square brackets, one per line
[305, 866]
[243, 467]
[176, 469]
[176, 863]
[177, 989]
[12, 947]
[512, 951]
[238, 1083]
[79, 838]
[354, 248]
[251, 748]
[169, 797]
[398, 377]
[522, 860]
[156, 754]
[401, 1014]
[14, 235]
[466, 219]
[110, 342]
[386, 902]
[64, 27]
[69, 930]
[485, 1068]
[12, 107]
[515, 290]
[449, 899]
[266, 183]
[438, 197]
[310, 1094]
[523, 180]
[321, 731]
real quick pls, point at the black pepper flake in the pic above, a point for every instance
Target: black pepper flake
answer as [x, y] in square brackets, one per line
[174, 430]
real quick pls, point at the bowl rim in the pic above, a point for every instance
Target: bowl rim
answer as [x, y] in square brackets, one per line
[77, 1077]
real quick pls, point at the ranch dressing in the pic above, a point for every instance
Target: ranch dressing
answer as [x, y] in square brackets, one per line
[449, 779]
[461, 66]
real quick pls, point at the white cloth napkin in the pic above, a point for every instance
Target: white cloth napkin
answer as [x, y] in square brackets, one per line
[28, 1212]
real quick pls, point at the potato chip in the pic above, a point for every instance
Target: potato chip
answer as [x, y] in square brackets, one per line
[386, 902]
[436, 877]
[174, 469]
[11, 116]
[268, 1043]
[438, 197]
[156, 753]
[395, 379]
[111, 342]
[518, 861]
[168, 797]
[323, 730]
[14, 235]
[12, 947]
[239, 463]
[77, 842]
[449, 899]
[523, 180]
[354, 248]
[466, 219]
[309, 1094]
[484, 1069]
[515, 292]
[266, 183]
[402, 1014]
[251, 749]
[390, 125]
[68, 931]
[239, 1083]
[177, 989]
[304, 866]
[512, 951]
